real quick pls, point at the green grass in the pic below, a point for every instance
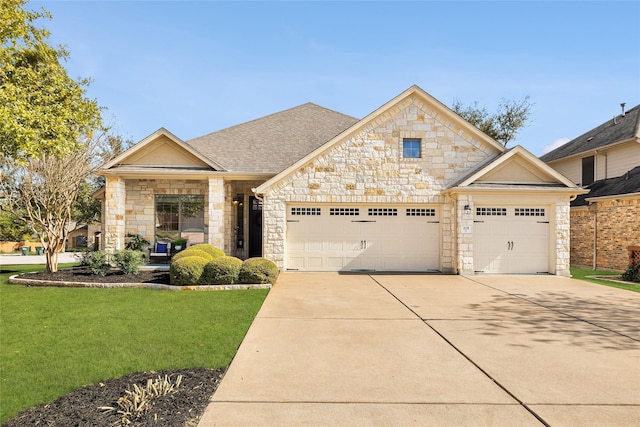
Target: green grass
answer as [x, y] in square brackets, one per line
[583, 273]
[54, 340]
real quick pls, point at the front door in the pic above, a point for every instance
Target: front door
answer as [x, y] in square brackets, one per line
[255, 227]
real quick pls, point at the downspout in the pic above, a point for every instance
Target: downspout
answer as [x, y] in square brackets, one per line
[595, 235]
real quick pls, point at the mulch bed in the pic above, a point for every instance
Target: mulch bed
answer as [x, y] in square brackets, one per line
[182, 407]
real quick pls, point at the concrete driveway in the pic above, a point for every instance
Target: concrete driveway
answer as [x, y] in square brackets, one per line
[382, 350]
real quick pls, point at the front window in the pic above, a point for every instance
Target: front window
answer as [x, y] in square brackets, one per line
[411, 148]
[180, 217]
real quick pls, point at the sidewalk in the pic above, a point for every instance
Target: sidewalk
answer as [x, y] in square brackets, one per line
[37, 259]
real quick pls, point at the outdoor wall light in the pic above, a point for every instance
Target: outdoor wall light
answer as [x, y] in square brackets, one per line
[467, 208]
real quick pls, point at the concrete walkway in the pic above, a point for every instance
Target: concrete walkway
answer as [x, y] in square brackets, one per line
[37, 259]
[382, 350]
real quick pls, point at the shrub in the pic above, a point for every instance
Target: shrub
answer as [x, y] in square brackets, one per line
[98, 262]
[258, 270]
[223, 270]
[192, 252]
[632, 274]
[129, 261]
[187, 270]
[136, 242]
[210, 249]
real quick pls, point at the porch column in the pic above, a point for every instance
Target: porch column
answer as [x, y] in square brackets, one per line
[114, 214]
[215, 213]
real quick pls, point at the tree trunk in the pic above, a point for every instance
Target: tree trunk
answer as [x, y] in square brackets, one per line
[52, 260]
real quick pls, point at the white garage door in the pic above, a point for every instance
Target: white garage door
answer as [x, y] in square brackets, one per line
[511, 239]
[362, 238]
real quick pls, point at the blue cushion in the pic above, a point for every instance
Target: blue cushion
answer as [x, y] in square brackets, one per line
[161, 247]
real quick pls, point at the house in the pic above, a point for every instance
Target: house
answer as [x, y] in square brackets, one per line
[410, 187]
[605, 223]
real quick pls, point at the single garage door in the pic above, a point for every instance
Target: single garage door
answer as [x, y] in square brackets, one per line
[511, 239]
[362, 238]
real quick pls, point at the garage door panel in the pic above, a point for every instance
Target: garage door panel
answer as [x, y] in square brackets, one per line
[511, 239]
[375, 238]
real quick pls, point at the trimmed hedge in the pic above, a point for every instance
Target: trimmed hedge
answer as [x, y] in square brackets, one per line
[192, 252]
[98, 262]
[223, 270]
[210, 249]
[187, 270]
[258, 270]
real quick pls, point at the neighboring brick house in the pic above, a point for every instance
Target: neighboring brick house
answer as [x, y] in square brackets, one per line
[410, 187]
[606, 221]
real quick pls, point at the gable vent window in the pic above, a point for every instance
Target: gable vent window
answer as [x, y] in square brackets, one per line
[411, 148]
[344, 211]
[491, 211]
[421, 212]
[305, 211]
[529, 211]
[383, 212]
[588, 170]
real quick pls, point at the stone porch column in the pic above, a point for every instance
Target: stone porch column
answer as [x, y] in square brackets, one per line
[114, 214]
[215, 213]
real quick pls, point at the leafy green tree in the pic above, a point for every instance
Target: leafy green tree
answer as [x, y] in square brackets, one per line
[504, 124]
[12, 229]
[42, 110]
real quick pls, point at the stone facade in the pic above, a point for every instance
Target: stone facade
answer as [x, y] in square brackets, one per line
[616, 225]
[368, 167]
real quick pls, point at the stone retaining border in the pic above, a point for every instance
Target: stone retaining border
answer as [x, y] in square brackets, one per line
[60, 284]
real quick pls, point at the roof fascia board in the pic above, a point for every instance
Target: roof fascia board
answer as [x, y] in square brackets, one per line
[518, 150]
[594, 151]
[149, 139]
[613, 197]
[555, 190]
[186, 174]
[362, 123]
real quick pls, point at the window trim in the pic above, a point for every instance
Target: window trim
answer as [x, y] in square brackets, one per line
[419, 146]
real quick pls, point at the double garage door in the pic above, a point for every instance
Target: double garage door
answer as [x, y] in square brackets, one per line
[511, 239]
[362, 238]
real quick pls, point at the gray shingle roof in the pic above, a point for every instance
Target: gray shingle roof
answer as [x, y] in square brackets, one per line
[613, 130]
[272, 143]
[628, 183]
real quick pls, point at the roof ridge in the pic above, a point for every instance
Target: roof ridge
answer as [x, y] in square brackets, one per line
[268, 116]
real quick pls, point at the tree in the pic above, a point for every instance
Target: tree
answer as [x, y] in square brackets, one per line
[42, 110]
[12, 229]
[504, 124]
[43, 191]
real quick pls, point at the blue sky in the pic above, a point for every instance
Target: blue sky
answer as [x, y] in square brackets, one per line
[198, 67]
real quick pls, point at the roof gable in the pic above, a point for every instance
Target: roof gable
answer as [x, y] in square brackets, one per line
[271, 143]
[619, 129]
[411, 97]
[516, 166]
[161, 148]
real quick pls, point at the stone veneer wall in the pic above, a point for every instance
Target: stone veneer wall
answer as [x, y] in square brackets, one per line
[617, 226]
[137, 214]
[368, 167]
[562, 237]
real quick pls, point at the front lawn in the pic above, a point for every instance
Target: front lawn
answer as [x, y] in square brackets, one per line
[584, 273]
[54, 340]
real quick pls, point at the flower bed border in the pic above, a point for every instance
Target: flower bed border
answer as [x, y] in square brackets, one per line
[63, 284]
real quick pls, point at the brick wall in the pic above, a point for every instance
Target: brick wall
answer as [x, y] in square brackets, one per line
[617, 227]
